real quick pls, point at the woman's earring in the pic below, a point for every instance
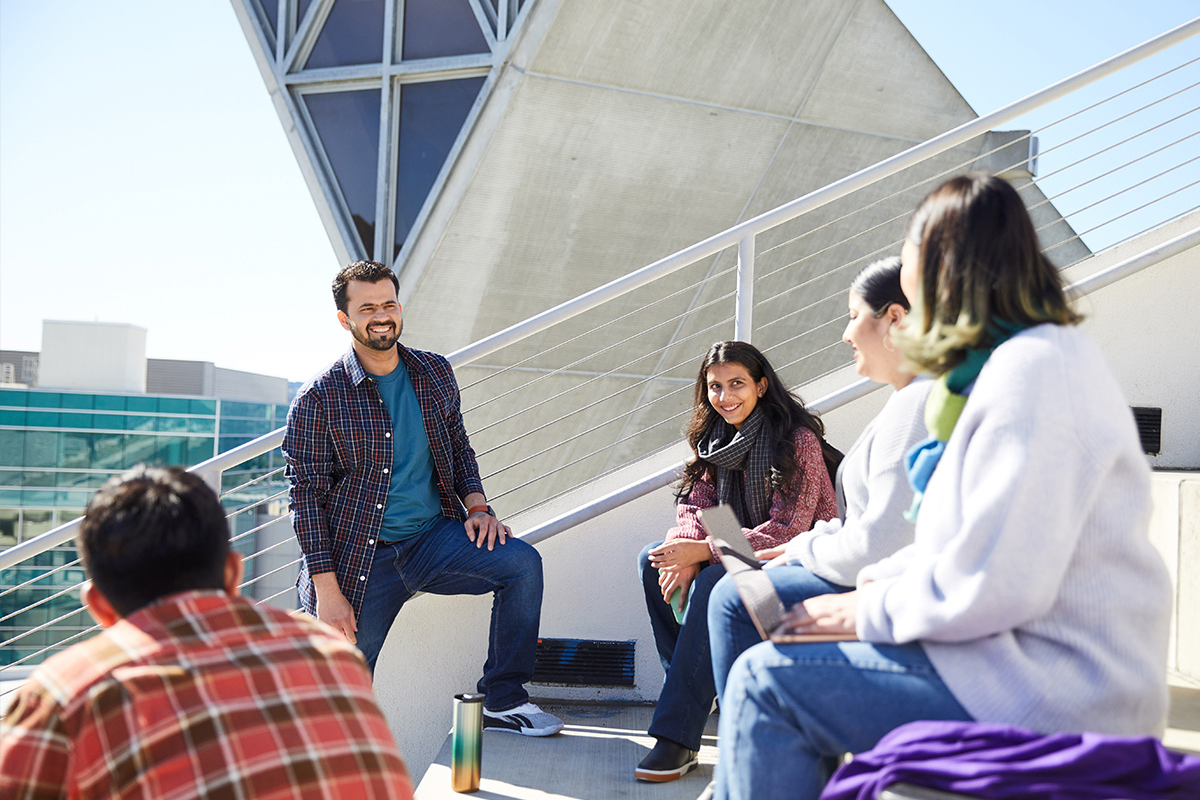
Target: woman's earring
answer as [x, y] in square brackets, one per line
[887, 341]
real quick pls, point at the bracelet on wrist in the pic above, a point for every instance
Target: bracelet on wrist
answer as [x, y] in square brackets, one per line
[473, 509]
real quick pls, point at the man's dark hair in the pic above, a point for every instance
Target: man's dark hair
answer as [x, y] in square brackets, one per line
[152, 532]
[365, 271]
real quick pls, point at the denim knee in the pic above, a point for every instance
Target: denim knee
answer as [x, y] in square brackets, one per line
[723, 602]
[522, 558]
[647, 571]
[707, 579]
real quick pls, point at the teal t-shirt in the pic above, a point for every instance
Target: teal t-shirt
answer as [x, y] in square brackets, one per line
[413, 504]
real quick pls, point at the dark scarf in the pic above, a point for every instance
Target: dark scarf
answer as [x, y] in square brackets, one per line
[743, 461]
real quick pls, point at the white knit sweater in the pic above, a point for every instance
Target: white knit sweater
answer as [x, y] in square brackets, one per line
[873, 493]
[1031, 583]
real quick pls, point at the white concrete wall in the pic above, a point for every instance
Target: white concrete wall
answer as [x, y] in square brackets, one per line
[94, 356]
[1149, 329]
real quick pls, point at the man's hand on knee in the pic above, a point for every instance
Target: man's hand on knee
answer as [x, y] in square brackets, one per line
[482, 526]
[333, 608]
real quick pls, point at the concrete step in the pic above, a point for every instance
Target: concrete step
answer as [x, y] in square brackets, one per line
[593, 758]
[1183, 721]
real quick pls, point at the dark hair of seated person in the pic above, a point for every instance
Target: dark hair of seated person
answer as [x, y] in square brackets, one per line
[878, 284]
[152, 532]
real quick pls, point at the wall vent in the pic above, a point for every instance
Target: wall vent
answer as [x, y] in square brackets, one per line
[584, 662]
[1149, 426]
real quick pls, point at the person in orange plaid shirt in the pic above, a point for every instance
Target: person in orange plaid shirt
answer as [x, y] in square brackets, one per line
[191, 690]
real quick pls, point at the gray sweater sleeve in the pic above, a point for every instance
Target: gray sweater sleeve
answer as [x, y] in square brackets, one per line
[877, 494]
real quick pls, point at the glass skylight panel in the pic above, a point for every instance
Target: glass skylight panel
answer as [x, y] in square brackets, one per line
[436, 28]
[347, 124]
[352, 34]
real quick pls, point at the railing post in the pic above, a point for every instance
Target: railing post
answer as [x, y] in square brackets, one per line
[211, 475]
[743, 323]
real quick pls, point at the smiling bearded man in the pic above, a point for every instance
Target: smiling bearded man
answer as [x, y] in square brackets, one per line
[386, 500]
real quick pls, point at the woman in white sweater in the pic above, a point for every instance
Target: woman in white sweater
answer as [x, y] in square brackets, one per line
[872, 487]
[1031, 595]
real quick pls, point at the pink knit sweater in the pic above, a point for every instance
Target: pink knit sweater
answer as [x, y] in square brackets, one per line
[792, 512]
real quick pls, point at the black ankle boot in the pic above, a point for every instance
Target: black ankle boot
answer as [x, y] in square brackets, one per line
[668, 761]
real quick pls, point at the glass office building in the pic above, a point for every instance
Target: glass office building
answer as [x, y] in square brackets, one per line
[57, 447]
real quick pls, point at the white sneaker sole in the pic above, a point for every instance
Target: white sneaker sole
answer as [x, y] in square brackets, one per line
[504, 726]
[665, 775]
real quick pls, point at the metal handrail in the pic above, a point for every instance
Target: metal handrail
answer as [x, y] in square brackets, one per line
[740, 235]
[861, 388]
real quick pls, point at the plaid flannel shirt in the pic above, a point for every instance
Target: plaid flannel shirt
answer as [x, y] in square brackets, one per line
[338, 449]
[202, 694]
[793, 512]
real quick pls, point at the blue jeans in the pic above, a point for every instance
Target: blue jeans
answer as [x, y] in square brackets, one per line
[445, 561]
[790, 711]
[688, 691]
[729, 625]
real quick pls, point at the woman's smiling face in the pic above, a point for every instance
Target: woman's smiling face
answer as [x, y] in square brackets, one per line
[732, 392]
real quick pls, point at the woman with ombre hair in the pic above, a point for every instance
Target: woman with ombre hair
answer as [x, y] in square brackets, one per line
[1031, 595]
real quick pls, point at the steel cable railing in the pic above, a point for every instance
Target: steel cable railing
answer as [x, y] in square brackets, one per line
[535, 426]
[606, 422]
[1158, 199]
[893, 246]
[54, 631]
[975, 158]
[609, 373]
[571, 340]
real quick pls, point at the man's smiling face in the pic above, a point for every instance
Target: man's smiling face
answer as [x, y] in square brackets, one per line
[372, 314]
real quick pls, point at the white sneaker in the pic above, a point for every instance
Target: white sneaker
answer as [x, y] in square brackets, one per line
[526, 719]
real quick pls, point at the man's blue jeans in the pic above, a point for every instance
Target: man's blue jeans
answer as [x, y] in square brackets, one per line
[730, 628]
[688, 691]
[790, 711]
[445, 561]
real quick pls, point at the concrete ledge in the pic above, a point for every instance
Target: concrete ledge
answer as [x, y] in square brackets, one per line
[1175, 532]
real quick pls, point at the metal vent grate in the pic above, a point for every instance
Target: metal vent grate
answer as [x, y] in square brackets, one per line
[584, 662]
[1149, 426]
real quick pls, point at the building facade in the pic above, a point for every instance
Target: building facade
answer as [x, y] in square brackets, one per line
[59, 444]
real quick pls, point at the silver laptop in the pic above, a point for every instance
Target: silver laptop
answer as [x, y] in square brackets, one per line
[753, 585]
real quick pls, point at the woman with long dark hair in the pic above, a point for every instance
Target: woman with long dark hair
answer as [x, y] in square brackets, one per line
[758, 449]
[1031, 595]
[872, 488]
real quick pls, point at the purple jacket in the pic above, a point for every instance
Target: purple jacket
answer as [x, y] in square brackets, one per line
[983, 760]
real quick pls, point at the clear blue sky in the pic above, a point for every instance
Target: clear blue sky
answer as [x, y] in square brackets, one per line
[145, 177]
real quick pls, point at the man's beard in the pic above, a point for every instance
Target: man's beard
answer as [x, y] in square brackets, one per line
[386, 343]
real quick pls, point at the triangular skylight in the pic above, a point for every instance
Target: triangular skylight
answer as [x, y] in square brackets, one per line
[341, 68]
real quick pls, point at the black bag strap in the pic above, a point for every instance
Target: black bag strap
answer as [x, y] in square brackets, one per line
[833, 459]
